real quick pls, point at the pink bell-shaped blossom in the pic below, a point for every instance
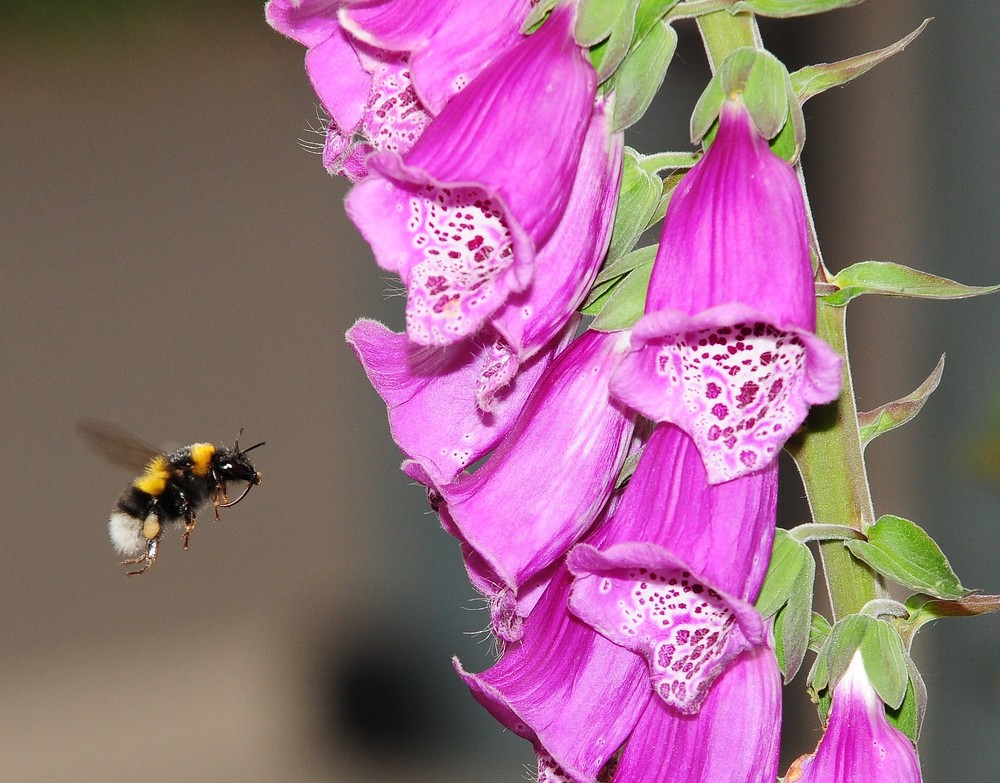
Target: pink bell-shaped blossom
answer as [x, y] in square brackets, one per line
[859, 743]
[549, 479]
[366, 91]
[726, 350]
[461, 216]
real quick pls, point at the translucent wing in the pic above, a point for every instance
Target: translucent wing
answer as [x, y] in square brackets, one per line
[115, 444]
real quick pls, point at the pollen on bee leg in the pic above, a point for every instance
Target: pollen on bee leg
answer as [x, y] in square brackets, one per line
[151, 527]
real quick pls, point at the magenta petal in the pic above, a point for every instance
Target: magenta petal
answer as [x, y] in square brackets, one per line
[859, 742]
[450, 42]
[574, 694]
[309, 22]
[340, 80]
[733, 739]
[737, 384]
[642, 597]
[735, 231]
[567, 448]
[569, 261]
[431, 395]
[461, 218]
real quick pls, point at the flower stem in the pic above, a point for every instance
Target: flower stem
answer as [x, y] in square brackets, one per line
[828, 448]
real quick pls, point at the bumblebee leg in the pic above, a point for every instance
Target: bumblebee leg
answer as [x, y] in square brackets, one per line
[147, 559]
[220, 497]
[189, 522]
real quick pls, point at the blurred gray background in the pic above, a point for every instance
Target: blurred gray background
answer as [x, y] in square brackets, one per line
[173, 262]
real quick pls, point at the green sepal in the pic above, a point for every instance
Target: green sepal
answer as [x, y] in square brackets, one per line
[639, 77]
[885, 662]
[612, 274]
[638, 198]
[670, 183]
[788, 591]
[819, 632]
[881, 650]
[889, 279]
[607, 55]
[626, 303]
[909, 716]
[814, 79]
[895, 414]
[595, 19]
[901, 551]
[537, 15]
[759, 78]
[787, 8]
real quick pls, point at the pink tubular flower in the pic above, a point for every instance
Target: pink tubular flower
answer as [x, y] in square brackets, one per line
[437, 412]
[546, 483]
[733, 739]
[726, 350]
[673, 572]
[365, 90]
[859, 743]
[461, 217]
[572, 693]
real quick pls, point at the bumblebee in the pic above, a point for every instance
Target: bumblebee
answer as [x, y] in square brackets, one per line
[170, 491]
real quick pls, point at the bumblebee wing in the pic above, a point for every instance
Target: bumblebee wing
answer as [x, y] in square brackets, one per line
[115, 444]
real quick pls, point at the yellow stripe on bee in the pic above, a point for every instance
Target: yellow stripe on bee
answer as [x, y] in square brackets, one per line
[155, 479]
[201, 458]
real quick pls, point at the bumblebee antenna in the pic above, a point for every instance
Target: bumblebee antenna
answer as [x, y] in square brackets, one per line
[254, 446]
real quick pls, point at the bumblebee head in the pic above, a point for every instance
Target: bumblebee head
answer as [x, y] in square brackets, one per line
[234, 465]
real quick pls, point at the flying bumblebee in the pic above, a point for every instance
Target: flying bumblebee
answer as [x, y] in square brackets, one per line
[170, 491]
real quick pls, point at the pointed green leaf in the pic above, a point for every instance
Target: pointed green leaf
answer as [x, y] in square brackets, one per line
[901, 551]
[670, 183]
[895, 414]
[786, 8]
[814, 79]
[637, 200]
[626, 303]
[925, 609]
[888, 279]
[650, 12]
[639, 77]
[885, 662]
[765, 93]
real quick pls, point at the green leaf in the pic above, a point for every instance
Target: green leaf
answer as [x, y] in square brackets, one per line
[609, 53]
[903, 552]
[925, 609]
[888, 279]
[846, 637]
[786, 8]
[626, 303]
[765, 93]
[639, 77]
[814, 79]
[895, 414]
[637, 201]
[650, 12]
[885, 662]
